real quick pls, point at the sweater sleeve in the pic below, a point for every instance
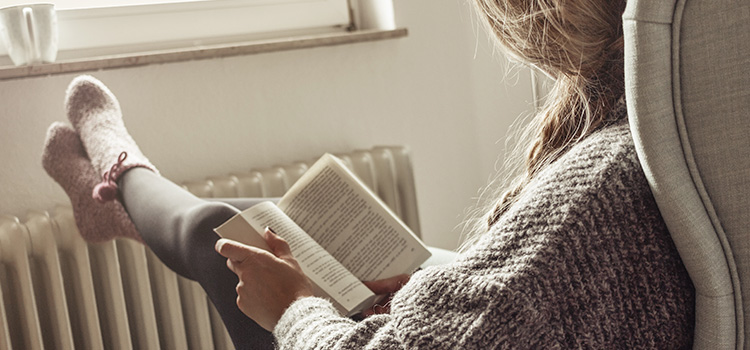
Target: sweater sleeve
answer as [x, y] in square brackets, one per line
[440, 308]
[313, 323]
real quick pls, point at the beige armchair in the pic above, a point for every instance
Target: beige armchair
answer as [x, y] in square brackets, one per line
[687, 67]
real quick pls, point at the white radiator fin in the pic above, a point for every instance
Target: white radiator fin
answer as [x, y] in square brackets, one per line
[58, 292]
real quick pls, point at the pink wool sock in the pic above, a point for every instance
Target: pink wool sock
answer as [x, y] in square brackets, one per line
[65, 161]
[96, 116]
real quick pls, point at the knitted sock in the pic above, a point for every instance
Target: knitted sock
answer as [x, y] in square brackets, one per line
[95, 114]
[65, 161]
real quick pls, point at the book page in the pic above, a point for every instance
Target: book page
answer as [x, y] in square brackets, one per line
[323, 270]
[337, 210]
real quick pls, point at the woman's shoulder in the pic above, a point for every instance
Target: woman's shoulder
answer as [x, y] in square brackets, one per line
[610, 148]
[602, 167]
[594, 195]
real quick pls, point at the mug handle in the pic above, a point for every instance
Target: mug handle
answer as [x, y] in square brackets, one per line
[28, 15]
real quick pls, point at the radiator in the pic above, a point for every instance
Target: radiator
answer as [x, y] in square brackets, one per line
[58, 292]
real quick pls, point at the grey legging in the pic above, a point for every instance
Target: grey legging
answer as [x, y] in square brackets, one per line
[178, 227]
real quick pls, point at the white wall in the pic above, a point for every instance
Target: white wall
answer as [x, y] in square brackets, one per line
[212, 117]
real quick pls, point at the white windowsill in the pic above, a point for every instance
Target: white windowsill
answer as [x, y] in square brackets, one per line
[197, 53]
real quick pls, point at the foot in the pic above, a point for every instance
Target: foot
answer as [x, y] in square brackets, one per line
[64, 159]
[96, 116]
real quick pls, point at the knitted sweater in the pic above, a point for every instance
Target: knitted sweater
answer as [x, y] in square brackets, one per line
[581, 260]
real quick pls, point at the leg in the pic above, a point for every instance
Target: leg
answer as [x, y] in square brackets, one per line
[242, 203]
[178, 227]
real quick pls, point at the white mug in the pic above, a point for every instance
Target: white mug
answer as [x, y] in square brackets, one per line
[376, 14]
[29, 32]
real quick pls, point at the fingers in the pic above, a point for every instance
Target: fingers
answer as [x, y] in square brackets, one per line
[388, 285]
[382, 306]
[237, 251]
[382, 287]
[377, 309]
[278, 245]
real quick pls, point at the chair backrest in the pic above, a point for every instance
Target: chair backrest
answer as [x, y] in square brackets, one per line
[687, 77]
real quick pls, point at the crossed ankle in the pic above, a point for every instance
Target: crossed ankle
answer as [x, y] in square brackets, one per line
[107, 190]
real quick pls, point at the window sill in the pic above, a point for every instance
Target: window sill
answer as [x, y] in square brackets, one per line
[197, 53]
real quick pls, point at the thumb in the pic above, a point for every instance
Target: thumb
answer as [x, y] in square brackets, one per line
[231, 249]
[278, 245]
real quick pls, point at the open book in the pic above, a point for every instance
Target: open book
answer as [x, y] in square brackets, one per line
[338, 229]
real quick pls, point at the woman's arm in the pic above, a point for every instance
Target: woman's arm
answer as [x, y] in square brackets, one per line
[283, 281]
[443, 309]
[275, 293]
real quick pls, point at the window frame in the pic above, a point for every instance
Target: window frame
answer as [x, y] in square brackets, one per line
[96, 31]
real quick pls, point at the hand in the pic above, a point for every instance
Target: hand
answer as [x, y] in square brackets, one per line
[269, 281]
[387, 286]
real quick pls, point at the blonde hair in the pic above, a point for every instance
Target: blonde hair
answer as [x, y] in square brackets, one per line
[579, 44]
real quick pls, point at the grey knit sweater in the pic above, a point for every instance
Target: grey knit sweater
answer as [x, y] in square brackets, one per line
[581, 260]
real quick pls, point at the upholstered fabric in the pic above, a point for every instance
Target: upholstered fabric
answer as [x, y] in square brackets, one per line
[688, 92]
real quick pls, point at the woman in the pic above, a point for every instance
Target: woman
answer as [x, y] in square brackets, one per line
[575, 253]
